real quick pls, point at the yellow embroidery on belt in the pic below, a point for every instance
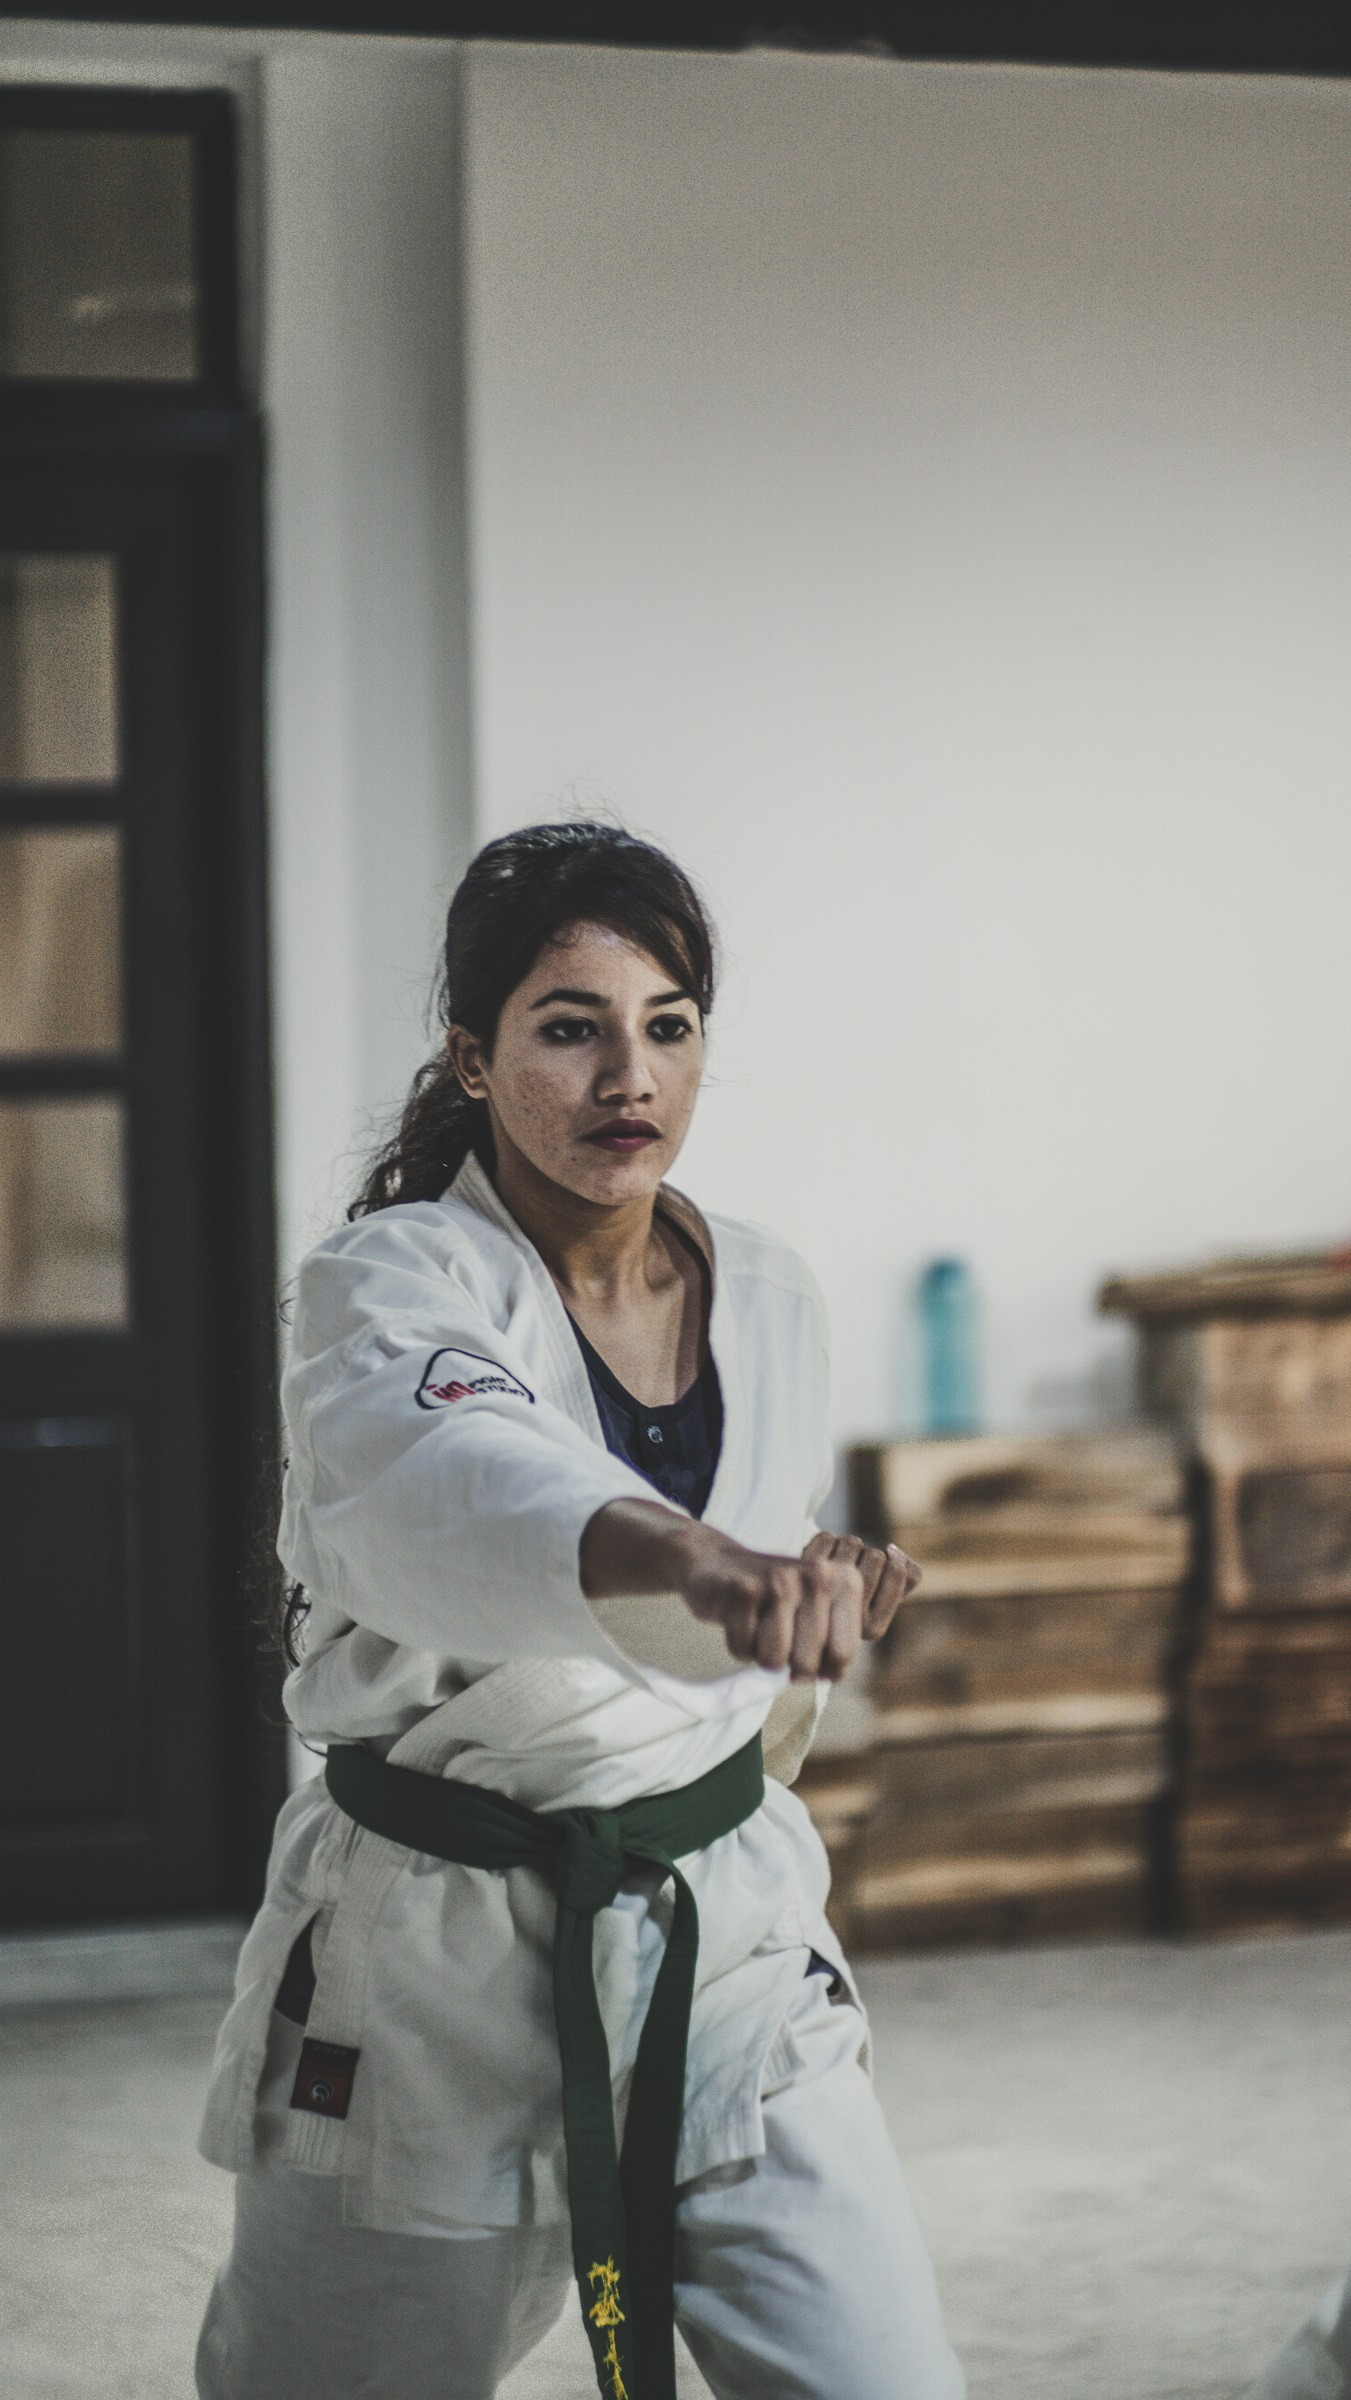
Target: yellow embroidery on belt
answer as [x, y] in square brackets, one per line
[605, 2313]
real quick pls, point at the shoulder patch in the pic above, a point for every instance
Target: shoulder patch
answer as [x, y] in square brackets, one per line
[453, 1375]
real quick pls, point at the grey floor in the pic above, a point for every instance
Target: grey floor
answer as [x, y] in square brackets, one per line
[1133, 2164]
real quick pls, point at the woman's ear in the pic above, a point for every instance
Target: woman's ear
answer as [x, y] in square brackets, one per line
[466, 1057]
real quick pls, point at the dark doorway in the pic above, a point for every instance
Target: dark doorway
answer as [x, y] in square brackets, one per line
[138, 1767]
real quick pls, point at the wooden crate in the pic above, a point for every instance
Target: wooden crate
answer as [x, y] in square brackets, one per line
[1022, 1703]
[1249, 1362]
[1258, 1344]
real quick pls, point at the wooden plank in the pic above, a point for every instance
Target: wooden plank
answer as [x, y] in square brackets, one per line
[1274, 1897]
[1269, 1688]
[1014, 1833]
[1102, 1893]
[1280, 1518]
[1237, 1646]
[950, 1652]
[1062, 1713]
[943, 1883]
[1079, 1770]
[979, 1479]
[1009, 1560]
[946, 1778]
[1300, 1282]
[1245, 1849]
[1265, 1812]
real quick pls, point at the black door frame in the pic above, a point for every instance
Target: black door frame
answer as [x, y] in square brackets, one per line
[205, 427]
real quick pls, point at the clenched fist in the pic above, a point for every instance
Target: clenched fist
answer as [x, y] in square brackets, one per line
[889, 1577]
[808, 1614]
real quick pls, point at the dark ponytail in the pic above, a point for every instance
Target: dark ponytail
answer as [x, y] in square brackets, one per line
[516, 896]
[519, 893]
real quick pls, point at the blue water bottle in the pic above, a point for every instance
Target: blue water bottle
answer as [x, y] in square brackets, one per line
[947, 1310]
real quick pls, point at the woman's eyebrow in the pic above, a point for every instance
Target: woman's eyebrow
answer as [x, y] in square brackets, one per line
[599, 1000]
[578, 999]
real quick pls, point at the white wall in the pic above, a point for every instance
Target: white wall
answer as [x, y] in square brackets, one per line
[370, 743]
[923, 497]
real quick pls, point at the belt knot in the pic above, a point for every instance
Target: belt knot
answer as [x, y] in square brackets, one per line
[590, 1860]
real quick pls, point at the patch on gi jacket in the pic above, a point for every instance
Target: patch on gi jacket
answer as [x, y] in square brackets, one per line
[453, 1375]
[323, 2083]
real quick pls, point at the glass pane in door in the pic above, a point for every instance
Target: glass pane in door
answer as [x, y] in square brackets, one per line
[62, 1214]
[58, 669]
[97, 274]
[60, 940]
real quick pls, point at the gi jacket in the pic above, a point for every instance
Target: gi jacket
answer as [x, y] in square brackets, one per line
[445, 1455]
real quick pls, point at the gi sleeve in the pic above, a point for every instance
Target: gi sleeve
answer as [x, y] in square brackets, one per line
[431, 1493]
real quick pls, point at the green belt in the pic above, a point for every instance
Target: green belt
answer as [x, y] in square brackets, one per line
[623, 2207]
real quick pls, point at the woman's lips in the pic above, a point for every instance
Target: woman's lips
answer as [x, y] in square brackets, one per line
[623, 1137]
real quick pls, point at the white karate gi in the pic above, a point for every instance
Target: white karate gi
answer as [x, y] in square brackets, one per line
[445, 1457]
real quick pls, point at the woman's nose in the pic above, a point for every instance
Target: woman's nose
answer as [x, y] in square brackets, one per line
[624, 1071]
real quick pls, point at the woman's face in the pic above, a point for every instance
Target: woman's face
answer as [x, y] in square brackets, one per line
[595, 1069]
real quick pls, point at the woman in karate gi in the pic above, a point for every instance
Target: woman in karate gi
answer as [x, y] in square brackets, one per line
[555, 1444]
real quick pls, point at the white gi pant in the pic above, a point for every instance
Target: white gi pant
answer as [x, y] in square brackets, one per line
[1316, 2363]
[800, 2275]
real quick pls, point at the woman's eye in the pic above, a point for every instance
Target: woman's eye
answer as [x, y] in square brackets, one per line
[567, 1029]
[670, 1029]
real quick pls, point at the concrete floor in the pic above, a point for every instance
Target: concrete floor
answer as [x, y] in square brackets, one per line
[1133, 2164]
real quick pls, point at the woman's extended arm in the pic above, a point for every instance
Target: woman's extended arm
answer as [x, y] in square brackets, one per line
[808, 1613]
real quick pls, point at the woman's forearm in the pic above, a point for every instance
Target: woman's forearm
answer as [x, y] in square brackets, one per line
[634, 1547]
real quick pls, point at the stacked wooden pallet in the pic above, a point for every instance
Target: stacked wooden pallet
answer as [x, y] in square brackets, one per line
[1250, 1363]
[1014, 1770]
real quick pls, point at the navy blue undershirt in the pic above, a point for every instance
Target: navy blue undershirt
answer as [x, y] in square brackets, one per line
[675, 1448]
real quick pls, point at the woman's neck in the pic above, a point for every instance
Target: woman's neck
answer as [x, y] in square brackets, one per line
[591, 1250]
